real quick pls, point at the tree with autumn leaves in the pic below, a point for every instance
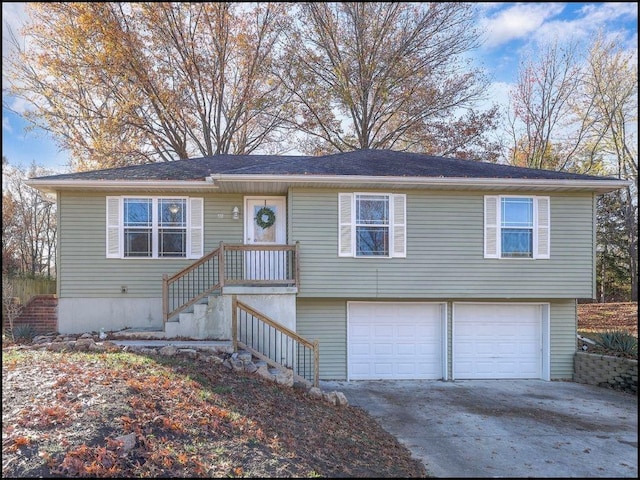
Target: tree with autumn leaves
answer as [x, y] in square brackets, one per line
[29, 228]
[128, 83]
[579, 114]
[387, 76]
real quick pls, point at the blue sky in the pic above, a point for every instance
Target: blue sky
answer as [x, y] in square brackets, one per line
[510, 29]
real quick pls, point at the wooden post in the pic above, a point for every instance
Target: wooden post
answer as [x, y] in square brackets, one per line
[234, 322]
[165, 297]
[297, 261]
[221, 265]
[316, 363]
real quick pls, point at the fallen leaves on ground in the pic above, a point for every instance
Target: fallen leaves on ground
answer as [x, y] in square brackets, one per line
[596, 317]
[122, 414]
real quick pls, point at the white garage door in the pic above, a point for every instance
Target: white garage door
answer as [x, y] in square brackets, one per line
[495, 341]
[395, 340]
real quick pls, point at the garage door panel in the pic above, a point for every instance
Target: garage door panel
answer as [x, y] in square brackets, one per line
[497, 341]
[506, 349]
[360, 368]
[382, 349]
[360, 331]
[383, 369]
[383, 330]
[405, 341]
[528, 349]
[361, 348]
[409, 331]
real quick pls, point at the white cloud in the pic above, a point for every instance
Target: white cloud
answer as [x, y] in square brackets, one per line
[588, 21]
[6, 124]
[517, 21]
[19, 105]
[539, 23]
[13, 19]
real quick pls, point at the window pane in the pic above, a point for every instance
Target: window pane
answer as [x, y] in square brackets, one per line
[517, 243]
[372, 241]
[172, 212]
[517, 212]
[137, 242]
[372, 209]
[172, 243]
[137, 212]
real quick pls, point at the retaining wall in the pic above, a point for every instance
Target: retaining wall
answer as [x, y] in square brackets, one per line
[41, 312]
[606, 371]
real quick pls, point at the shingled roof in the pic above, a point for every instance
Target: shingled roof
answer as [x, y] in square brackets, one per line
[368, 163]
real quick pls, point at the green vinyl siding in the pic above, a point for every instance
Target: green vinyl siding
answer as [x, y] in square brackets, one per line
[445, 237]
[564, 324]
[84, 270]
[325, 320]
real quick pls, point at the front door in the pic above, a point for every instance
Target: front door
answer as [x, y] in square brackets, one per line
[265, 224]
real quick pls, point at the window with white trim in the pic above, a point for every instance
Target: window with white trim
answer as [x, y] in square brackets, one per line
[517, 226]
[154, 227]
[371, 225]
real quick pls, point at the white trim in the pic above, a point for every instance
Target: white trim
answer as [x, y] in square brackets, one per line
[113, 222]
[491, 228]
[545, 324]
[398, 226]
[595, 185]
[195, 227]
[347, 229]
[213, 181]
[541, 227]
[546, 340]
[346, 237]
[445, 339]
[443, 327]
[190, 231]
[281, 226]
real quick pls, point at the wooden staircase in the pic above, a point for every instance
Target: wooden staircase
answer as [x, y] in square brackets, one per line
[202, 302]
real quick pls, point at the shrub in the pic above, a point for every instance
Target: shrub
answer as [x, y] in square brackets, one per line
[618, 341]
[23, 332]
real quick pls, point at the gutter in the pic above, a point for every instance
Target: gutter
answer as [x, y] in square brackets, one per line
[55, 185]
[601, 186]
[215, 181]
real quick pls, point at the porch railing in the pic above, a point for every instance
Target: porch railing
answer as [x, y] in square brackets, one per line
[249, 265]
[277, 345]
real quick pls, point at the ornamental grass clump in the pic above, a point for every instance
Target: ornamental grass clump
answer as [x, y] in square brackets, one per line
[23, 332]
[618, 341]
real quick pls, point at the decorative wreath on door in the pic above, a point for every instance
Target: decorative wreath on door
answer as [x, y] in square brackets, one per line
[265, 217]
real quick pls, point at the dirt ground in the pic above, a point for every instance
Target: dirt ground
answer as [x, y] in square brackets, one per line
[593, 317]
[73, 414]
[66, 415]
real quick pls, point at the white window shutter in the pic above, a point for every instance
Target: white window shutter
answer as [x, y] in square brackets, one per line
[399, 235]
[491, 244]
[195, 238]
[345, 225]
[114, 221]
[543, 229]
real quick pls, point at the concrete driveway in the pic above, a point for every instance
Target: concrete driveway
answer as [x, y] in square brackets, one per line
[505, 428]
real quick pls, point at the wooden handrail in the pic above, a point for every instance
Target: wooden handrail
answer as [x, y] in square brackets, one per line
[313, 346]
[266, 248]
[219, 253]
[272, 323]
[195, 265]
